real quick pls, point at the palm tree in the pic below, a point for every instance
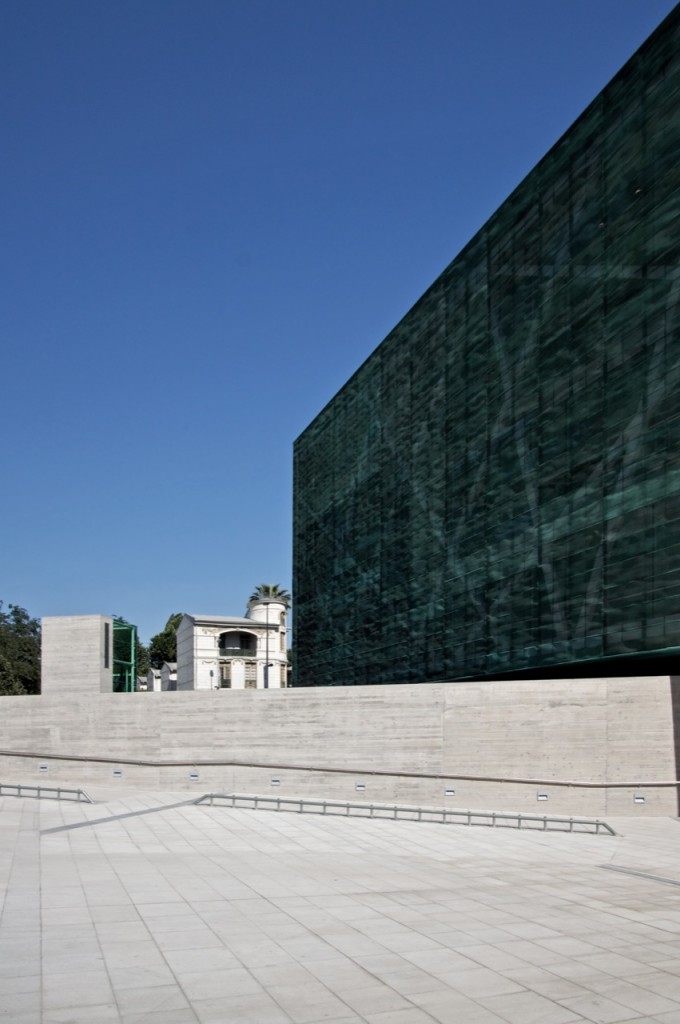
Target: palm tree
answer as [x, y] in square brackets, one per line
[271, 592]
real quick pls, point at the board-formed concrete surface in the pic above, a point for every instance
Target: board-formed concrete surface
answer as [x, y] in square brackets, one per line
[607, 736]
[189, 914]
[76, 654]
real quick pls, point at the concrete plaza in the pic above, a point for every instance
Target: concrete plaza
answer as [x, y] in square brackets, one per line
[188, 914]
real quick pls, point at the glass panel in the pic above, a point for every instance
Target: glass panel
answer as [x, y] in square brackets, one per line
[497, 488]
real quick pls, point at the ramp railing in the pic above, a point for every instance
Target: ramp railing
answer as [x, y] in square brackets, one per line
[403, 812]
[44, 792]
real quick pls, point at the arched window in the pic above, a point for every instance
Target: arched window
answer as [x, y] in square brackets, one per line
[233, 643]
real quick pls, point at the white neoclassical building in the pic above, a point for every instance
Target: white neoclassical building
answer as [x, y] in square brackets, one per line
[233, 651]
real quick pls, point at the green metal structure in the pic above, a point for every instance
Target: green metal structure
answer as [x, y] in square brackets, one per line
[124, 656]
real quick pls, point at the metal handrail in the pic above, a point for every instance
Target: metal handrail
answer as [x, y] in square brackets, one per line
[440, 815]
[44, 792]
[356, 772]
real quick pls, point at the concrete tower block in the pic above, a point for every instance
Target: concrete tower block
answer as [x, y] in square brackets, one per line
[77, 654]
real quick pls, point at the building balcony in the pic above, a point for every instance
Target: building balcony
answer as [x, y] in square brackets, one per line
[237, 652]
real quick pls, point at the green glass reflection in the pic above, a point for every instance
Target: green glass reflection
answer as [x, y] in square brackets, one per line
[498, 487]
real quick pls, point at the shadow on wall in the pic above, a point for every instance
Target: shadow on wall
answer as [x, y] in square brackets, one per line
[675, 704]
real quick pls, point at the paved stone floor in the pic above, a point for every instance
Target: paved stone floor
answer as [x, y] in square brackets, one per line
[200, 915]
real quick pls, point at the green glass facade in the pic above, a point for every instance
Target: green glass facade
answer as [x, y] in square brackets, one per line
[497, 488]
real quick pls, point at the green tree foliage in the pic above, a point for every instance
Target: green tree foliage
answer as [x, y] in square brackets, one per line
[142, 659]
[271, 592]
[19, 651]
[163, 646]
[8, 681]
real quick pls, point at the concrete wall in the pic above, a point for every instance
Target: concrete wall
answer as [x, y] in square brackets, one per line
[586, 731]
[185, 653]
[74, 654]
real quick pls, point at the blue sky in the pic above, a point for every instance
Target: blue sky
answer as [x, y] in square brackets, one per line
[212, 212]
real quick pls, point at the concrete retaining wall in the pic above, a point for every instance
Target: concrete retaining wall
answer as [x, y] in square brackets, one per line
[599, 732]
